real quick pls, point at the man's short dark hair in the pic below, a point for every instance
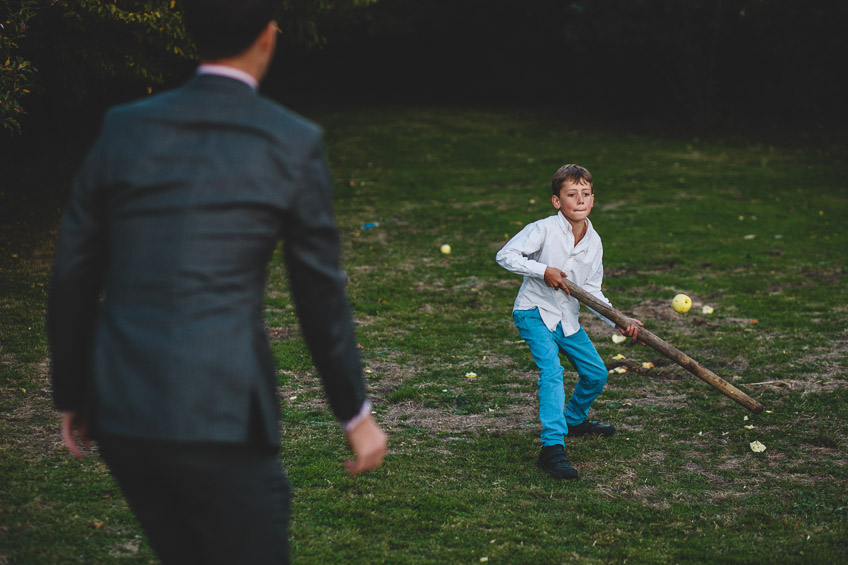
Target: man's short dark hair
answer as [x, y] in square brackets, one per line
[573, 173]
[225, 28]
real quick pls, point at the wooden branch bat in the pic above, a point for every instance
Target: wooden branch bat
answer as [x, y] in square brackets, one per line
[666, 349]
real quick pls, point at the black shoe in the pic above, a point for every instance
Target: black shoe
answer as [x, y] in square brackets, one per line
[587, 427]
[552, 459]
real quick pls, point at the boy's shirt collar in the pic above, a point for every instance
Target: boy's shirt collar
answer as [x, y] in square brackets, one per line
[566, 227]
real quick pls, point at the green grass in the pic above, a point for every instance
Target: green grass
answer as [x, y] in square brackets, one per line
[751, 225]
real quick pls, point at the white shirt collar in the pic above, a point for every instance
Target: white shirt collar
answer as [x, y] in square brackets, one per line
[566, 226]
[229, 72]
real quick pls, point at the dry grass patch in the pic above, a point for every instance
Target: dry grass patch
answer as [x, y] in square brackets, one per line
[30, 424]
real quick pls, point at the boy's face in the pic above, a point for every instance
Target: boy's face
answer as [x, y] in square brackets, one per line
[575, 200]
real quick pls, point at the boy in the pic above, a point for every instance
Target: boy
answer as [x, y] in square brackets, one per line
[545, 252]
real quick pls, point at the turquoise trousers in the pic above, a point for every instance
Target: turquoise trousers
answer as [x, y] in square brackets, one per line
[545, 346]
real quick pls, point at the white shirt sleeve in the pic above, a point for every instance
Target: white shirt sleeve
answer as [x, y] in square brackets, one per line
[364, 412]
[516, 255]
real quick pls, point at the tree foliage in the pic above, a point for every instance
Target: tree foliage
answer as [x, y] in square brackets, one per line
[79, 46]
[77, 43]
[16, 72]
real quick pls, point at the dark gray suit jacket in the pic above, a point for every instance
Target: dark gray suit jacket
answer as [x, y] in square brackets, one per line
[155, 313]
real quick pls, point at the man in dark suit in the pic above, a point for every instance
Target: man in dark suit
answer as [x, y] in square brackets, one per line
[155, 314]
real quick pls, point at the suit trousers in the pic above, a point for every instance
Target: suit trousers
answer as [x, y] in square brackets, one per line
[204, 502]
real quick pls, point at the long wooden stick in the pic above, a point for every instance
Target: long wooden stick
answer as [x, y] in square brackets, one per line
[666, 349]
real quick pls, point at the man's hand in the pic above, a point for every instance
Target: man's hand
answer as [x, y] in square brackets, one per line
[632, 331]
[69, 426]
[555, 278]
[368, 443]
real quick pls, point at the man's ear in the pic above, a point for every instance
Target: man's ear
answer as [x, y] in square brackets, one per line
[269, 35]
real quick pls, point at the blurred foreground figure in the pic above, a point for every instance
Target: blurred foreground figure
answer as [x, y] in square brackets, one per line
[173, 219]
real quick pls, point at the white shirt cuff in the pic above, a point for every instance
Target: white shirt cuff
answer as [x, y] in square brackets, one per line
[364, 412]
[538, 269]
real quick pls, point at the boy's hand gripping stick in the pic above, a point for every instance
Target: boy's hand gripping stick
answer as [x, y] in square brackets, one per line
[666, 349]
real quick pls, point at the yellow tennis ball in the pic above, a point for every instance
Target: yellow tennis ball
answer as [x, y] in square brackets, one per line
[445, 249]
[681, 303]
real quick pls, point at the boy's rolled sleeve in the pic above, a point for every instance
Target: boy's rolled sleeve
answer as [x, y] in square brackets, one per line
[516, 255]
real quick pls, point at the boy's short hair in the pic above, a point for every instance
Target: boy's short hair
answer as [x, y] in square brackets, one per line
[573, 173]
[225, 28]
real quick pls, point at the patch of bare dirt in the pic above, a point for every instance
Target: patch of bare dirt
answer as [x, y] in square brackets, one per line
[655, 457]
[427, 309]
[516, 416]
[721, 496]
[126, 548]
[831, 364]
[835, 456]
[695, 468]
[612, 205]
[31, 426]
[656, 399]
[282, 333]
[430, 285]
[830, 373]
[791, 385]
[385, 376]
[630, 486]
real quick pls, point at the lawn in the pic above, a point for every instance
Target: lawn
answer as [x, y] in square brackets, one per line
[752, 225]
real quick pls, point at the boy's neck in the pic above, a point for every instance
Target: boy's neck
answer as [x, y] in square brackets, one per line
[578, 229]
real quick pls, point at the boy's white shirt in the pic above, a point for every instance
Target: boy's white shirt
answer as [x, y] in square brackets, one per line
[549, 242]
